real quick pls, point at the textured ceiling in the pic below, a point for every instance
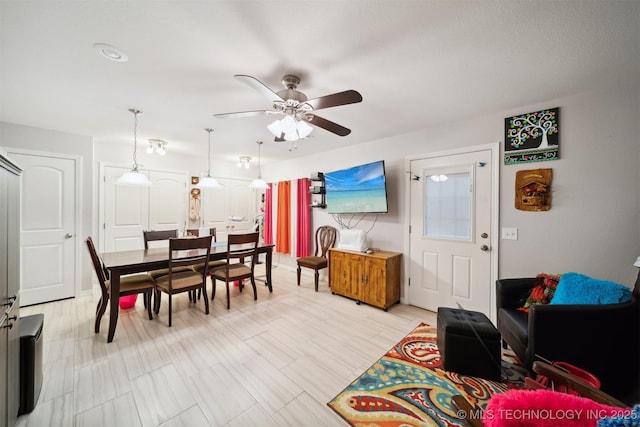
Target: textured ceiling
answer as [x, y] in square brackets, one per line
[416, 64]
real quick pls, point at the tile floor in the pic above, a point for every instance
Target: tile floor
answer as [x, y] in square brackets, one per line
[273, 362]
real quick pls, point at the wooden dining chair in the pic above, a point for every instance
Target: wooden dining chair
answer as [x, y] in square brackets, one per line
[325, 239]
[184, 253]
[195, 232]
[156, 236]
[240, 247]
[132, 284]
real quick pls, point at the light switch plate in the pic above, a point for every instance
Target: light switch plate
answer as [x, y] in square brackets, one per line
[509, 233]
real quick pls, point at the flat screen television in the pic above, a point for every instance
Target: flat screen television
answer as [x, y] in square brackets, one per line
[358, 189]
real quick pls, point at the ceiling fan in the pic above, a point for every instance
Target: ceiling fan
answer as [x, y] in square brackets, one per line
[297, 109]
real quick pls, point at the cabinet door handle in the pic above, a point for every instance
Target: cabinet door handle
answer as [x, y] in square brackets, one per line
[10, 321]
[10, 301]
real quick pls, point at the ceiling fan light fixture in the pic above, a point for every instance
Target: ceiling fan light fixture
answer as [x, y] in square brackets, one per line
[290, 128]
[288, 125]
[303, 128]
[296, 107]
[275, 128]
[134, 177]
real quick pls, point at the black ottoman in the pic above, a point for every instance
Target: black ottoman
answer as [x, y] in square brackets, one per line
[459, 347]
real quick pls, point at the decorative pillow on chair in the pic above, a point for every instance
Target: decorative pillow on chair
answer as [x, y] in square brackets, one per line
[543, 291]
[575, 288]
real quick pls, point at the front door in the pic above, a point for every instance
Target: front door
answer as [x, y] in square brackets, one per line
[452, 255]
[48, 232]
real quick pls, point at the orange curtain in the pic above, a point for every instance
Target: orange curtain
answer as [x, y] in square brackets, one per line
[283, 221]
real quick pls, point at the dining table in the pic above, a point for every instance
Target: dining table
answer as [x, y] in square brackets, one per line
[142, 260]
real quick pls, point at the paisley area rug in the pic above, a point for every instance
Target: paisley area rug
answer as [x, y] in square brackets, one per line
[407, 387]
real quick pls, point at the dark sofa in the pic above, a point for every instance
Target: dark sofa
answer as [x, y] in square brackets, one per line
[602, 339]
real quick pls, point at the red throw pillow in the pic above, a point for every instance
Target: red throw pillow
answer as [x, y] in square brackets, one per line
[543, 290]
[527, 408]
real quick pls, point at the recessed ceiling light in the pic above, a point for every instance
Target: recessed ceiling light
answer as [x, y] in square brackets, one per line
[111, 52]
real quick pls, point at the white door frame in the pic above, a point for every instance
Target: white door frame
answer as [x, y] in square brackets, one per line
[495, 212]
[77, 241]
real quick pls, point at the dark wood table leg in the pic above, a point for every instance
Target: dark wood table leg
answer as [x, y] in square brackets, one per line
[268, 268]
[114, 290]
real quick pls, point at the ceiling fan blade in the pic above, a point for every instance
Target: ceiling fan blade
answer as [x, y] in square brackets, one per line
[329, 125]
[259, 86]
[336, 99]
[242, 114]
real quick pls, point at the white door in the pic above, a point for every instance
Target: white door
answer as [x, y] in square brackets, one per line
[126, 213]
[452, 199]
[167, 201]
[230, 208]
[48, 230]
[127, 210]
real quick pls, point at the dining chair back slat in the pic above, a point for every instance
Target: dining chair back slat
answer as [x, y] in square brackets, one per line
[186, 252]
[156, 235]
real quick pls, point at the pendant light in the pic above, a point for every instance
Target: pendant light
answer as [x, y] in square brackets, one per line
[208, 181]
[134, 177]
[259, 183]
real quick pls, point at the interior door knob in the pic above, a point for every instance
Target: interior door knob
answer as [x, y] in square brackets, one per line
[484, 248]
[68, 236]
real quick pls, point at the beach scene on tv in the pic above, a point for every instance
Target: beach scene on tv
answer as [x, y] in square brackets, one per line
[359, 189]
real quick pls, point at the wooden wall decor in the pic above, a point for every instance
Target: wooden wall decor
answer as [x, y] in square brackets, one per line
[533, 190]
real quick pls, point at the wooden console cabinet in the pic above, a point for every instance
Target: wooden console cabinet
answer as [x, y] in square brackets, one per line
[370, 278]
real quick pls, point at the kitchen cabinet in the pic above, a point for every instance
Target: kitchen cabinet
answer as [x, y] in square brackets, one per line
[9, 291]
[370, 278]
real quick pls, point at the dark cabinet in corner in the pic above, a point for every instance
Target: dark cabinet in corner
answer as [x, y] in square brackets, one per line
[9, 291]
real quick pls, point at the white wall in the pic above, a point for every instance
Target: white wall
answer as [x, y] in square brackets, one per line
[593, 226]
[30, 138]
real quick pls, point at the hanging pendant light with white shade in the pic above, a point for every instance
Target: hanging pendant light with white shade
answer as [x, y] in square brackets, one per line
[259, 183]
[134, 177]
[208, 181]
